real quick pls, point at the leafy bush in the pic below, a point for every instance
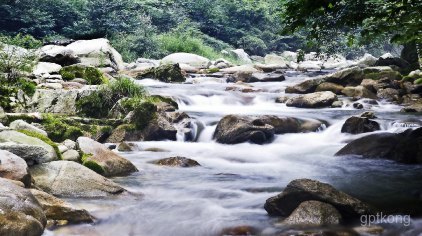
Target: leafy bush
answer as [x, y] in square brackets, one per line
[253, 45]
[92, 75]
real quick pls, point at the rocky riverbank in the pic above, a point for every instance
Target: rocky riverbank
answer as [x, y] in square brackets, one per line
[52, 141]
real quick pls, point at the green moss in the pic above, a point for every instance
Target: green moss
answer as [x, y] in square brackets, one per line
[143, 113]
[59, 130]
[213, 70]
[418, 81]
[392, 75]
[85, 156]
[94, 166]
[166, 73]
[157, 99]
[408, 79]
[91, 74]
[45, 140]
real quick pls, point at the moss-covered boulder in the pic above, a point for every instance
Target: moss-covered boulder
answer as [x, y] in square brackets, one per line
[166, 73]
[391, 75]
[103, 161]
[92, 75]
[177, 162]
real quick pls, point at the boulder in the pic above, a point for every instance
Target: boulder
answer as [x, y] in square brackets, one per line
[32, 154]
[97, 53]
[57, 209]
[266, 77]
[46, 68]
[389, 60]
[328, 86]
[358, 92]
[309, 65]
[109, 162]
[302, 190]
[244, 68]
[358, 125]
[57, 54]
[126, 147]
[366, 61]
[389, 94]
[70, 179]
[56, 101]
[236, 129]
[71, 155]
[20, 212]
[23, 125]
[312, 100]
[188, 59]
[283, 125]
[49, 154]
[307, 86]
[177, 162]
[241, 56]
[314, 213]
[404, 147]
[272, 59]
[347, 77]
[14, 168]
[167, 73]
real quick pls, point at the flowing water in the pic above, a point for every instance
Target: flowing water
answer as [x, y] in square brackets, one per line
[233, 182]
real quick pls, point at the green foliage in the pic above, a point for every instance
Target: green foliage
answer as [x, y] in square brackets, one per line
[92, 75]
[166, 73]
[24, 41]
[418, 81]
[58, 130]
[45, 140]
[143, 111]
[99, 103]
[253, 44]
[94, 166]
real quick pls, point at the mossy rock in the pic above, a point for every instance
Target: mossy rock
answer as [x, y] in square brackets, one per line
[213, 70]
[392, 75]
[58, 130]
[167, 73]
[407, 79]
[91, 74]
[45, 140]
[94, 166]
[418, 81]
[158, 98]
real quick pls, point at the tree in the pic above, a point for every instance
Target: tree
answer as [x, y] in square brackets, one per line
[361, 21]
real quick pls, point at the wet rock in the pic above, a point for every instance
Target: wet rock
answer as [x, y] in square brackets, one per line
[314, 213]
[242, 68]
[236, 129]
[307, 86]
[347, 77]
[404, 147]
[70, 179]
[14, 168]
[357, 105]
[106, 162]
[332, 87]
[190, 59]
[358, 125]
[266, 77]
[23, 125]
[244, 230]
[21, 213]
[367, 60]
[282, 99]
[358, 92]
[27, 147]
[368, 114]
[337, 104]
[167, 73]
[126, 147]
[241, 55]
[389, 94]
[302, 190]
[388, 60]
[369, 230]
[283, 125]
[312, 100]
[57, 209]
[177, 162]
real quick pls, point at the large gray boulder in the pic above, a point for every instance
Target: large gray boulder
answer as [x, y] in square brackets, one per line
[20, 212]
[57, 209]
[57, 54]
[70, 179]
[46, 68]
[358, 125]
[307, 86]
[302, 190]
[14, 168]
[27, 143]
[241, 55]
[236, 129]
[314, 213]
[56, 101]
[188, 59]
[405, 147]
[23, 125]
[313, 100]
[111, 163]
[97, 53]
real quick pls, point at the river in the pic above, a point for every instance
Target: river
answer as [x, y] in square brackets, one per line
[233, 182]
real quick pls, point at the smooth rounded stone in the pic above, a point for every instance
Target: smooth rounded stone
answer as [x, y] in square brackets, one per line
[242, 68]
[62, 148]
[70, 144]
[57, 209]
[271, 67]
[28, 144]
[307, 86]
[20, 212]
[57, 54]
[404, 147]
[236, 129]
[358, 92]
[366, 61]
[357, 105]
[241, 55]
[332, 87]
[14, 168]
[71, 155]
[314, 213]
[282, 99]
[267, 77]
[46, 68]
[312, 100]
[23, 125]
[190, 59]
[70, 179]
[177, 162]
[111, 163]
[272, 59]
[302, 190]
[337, 104]
[358, 125]
[347, 77]
[309, 65]
[243, 230]
[369, 84]
[283, 125]
[368, 114]
[126, 147]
